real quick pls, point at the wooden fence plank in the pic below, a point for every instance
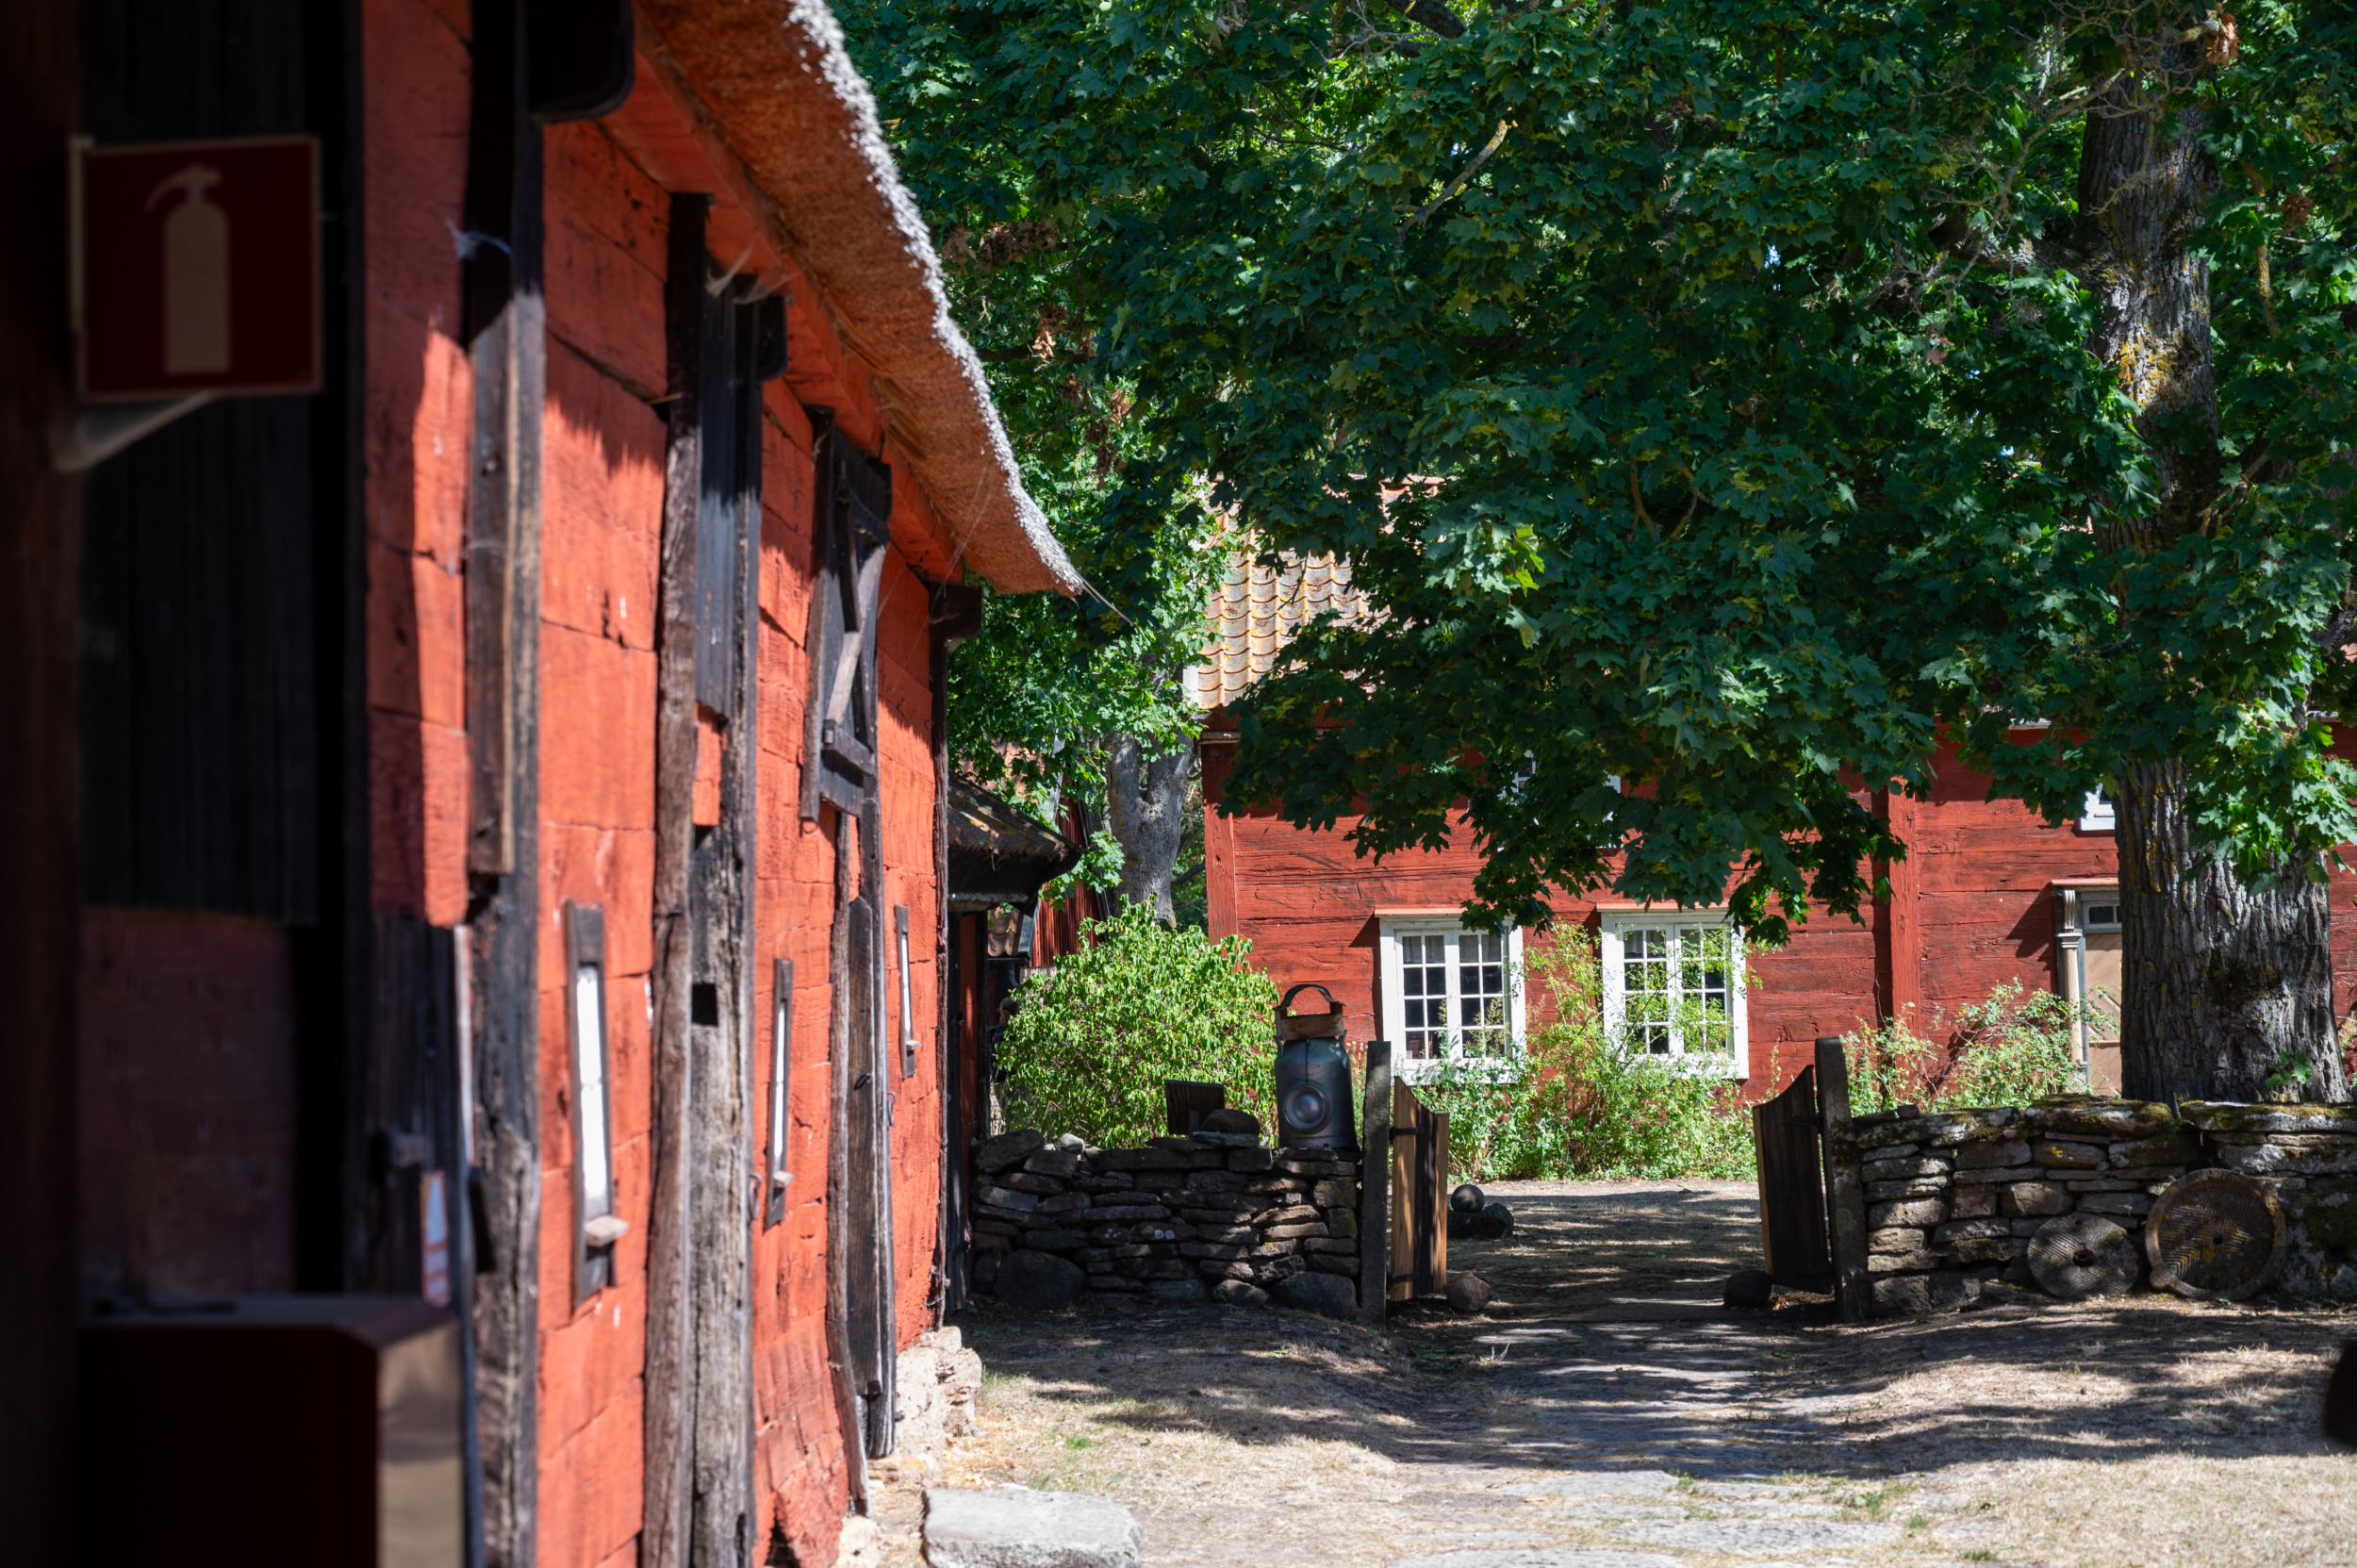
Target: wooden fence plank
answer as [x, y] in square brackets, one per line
[1374, 1186]
[1845, 1190]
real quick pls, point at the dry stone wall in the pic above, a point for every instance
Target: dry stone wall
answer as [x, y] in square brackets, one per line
[1954, 1197]
[1174, 1219]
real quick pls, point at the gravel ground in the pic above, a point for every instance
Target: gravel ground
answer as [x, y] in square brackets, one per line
[1606, 1412]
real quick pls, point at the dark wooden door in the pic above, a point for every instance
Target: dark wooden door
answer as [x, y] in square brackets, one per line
[1792, 1232]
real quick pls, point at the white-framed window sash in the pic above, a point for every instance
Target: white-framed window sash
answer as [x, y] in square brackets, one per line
[1663, 966]
[1451, 996]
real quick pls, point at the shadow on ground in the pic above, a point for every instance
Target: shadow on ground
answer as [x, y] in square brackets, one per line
[1605, 1399]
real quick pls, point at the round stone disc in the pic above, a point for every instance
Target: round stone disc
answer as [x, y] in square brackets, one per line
[2214, 1234]
[2078, 1256]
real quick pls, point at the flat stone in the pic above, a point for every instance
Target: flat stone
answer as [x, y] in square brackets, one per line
[1901, 1170]
[1040, 1281]
[2220, 1116]
[1144, 1159]
[1903, 1262]
[2034, 1197]
[1972, 1202]
[2274, 1159]
[1008, 1149]
[1294, 1232]
[2118, 1118]
[1056, 1241]
[1056, 1159]
[1239, 1293]
[1230, 1119]
[1913, 1211]
[1758, 1535]
[2001, 1177]
[2058, 1153]
[1992, 1156]
[1921, 1186]
[1988, 1249]
[1904, 1240]
[1000, 1197]
[1598, 1483]
[1230, 1140]
[1062, 1203]
[1012, 1526]
[1328, 1295]
[1329, 1243]
[2175, 1148]
[1251, 1159]
[2116, 1203]
[1188, 1290]
[1539, 1556]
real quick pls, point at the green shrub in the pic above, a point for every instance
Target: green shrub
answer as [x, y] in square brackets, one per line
[1585, 1107]
[2008, 1049]
[1092, 1042]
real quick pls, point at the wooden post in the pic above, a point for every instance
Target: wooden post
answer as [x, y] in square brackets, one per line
[1374, 1188]
[1845, 1193]
[507, 345]
[663, 1542]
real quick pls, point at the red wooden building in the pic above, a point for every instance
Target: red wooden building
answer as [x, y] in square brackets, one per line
[1988, 894]
[477, 828]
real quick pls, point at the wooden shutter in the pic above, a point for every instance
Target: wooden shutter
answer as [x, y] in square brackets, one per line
[854, 526]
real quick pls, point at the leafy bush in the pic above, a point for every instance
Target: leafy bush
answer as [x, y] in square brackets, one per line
[2008, 1049]
[1092, 1040]
[1585, 1107]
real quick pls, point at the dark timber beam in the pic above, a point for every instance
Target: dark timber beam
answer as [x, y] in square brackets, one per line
[670, 1494]
[505, 332]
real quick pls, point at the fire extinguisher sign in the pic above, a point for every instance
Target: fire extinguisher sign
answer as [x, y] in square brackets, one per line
[197, 266]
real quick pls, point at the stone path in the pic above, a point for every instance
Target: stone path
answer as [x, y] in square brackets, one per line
[1604, 1412]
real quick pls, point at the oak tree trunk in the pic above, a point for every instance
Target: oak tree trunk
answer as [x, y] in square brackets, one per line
[2226, 986]
[1146, 808]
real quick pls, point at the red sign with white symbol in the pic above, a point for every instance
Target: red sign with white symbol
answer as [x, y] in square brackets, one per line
[200, 267]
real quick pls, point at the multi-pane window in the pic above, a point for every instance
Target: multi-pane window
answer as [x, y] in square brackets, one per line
[1450, 996]
[1673, 987]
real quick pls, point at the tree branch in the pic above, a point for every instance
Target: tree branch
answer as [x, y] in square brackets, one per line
[1463, 175]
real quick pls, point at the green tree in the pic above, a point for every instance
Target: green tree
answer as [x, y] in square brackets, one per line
[1736, 398]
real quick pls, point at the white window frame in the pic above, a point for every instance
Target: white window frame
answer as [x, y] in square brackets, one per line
[1616, 924]
[1394, 1002]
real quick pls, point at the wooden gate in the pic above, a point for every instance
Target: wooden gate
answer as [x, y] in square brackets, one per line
[1792, 1233]
[1419, 1198]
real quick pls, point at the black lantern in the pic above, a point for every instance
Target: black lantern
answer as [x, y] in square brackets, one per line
[1313, 1100]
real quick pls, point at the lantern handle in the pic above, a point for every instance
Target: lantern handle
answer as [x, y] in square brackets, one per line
[1331, 1005]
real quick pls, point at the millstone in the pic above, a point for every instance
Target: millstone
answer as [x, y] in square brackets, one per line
[2215, 1233]
[2077, 1256]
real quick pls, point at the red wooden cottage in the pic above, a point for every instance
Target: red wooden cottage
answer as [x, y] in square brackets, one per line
[1988, 894]
[476, 836]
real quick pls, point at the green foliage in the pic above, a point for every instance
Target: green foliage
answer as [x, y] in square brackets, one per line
[1713, 376]
[1092, 1043]
[2008, 1049]
[1585, 1106]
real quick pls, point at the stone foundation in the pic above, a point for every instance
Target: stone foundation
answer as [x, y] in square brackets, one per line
[1170, 1219]
[1954, 1197]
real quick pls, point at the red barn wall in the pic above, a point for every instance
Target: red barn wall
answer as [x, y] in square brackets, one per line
[602, 460]
[1973, 908]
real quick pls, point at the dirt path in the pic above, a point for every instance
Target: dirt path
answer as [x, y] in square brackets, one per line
[1606, 1412]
